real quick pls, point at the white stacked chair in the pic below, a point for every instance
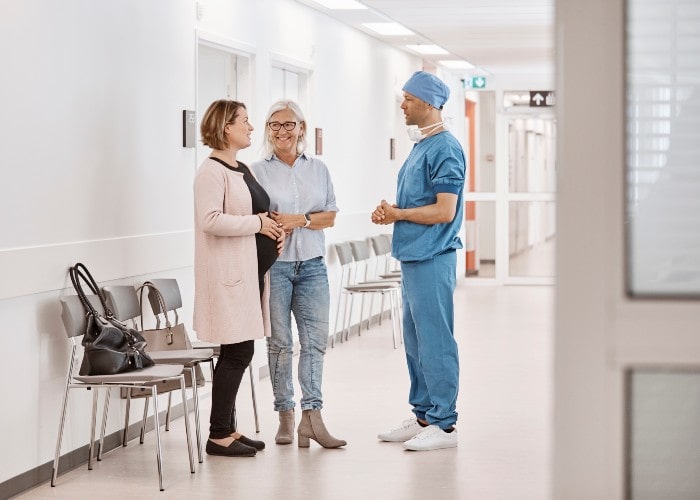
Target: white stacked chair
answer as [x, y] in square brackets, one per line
[350, 286]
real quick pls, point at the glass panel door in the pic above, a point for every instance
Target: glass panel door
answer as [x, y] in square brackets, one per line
[531, 197]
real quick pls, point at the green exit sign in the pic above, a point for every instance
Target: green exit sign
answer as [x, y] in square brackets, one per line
[475, 82]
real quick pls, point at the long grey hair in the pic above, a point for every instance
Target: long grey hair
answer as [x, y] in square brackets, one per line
[268, 148]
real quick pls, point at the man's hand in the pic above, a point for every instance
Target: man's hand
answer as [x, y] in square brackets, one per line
[441, 212]
[385, 214]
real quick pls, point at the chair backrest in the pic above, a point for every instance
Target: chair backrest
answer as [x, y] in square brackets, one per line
[123, 300]
[170, 291]
[344, 252]
[73, 314]
[381, 245]
[360, 250]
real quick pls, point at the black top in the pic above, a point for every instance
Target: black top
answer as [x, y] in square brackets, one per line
[266, 247]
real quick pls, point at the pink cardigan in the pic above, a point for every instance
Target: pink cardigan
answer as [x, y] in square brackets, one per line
[227, 305]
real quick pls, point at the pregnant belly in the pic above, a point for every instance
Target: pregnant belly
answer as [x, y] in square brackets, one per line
[267, 252]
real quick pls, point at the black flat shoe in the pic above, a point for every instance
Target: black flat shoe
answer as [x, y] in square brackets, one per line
[235, 449]
[258, 445]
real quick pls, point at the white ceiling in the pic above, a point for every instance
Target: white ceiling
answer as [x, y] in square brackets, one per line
[497, 36]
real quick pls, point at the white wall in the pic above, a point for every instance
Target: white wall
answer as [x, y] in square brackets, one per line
[93, 167]
[93, 170]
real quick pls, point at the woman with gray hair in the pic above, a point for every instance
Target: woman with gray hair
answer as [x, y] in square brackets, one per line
[303, 202]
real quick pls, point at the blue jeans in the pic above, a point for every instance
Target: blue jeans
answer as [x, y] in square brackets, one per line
[428, 331]
[301, 288]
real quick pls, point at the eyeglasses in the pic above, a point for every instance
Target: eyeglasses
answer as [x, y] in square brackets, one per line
[288, 126]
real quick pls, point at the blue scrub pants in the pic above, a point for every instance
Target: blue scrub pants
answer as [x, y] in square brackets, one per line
[428, 332]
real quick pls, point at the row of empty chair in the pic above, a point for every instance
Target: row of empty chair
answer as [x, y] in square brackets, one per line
[167, 375]
[366, 276]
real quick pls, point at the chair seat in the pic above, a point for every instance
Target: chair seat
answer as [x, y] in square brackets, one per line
[373, 287]
[182, 356]
[393, 274]
[150, 374]
[201, 344]
[390, 279]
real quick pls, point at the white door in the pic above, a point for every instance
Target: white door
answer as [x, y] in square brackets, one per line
[216, 79]
[284, 84]
[627, 368]
[529, 248]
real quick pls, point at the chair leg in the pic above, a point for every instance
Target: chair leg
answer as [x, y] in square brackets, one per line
[211, 367]
[362, 314]
[255, 399]
[393, 318]
[93, 424]
[187, 419]
[352, 303]
[125, 434]
[144, 418]
[167, 414]
[337, 317]
[381, 310]
[337, 314]
[195, 398]
[371, 304]
[105, 412]
[345, 313]
[156, 423]
[62, 421]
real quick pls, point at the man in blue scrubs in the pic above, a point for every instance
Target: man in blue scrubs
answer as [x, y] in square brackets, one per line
[427, 217]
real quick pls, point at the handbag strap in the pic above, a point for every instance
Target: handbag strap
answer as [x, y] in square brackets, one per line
[159, 296]
[79, 272]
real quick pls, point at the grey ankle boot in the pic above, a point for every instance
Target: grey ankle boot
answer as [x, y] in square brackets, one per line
[312, 427]
[285, 432]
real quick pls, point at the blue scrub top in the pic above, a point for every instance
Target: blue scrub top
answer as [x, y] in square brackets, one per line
[436, 165]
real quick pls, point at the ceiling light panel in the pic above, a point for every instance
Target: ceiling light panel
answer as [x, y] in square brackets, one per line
[340, 4]
[454, 64]
[388, 29]
[428, 49]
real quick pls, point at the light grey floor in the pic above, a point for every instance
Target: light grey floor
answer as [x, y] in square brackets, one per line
[536, 261]
[505, 337]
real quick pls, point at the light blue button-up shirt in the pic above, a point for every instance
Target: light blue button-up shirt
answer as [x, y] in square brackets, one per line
[435, 165]
[306, 187]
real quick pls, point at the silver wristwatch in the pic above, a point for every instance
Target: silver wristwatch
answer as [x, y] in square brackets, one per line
[308, 220]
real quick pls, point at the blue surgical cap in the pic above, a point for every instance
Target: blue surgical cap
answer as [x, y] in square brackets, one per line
[429, 88]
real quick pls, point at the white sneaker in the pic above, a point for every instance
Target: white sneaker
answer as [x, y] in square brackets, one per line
[432, 438]
[408, 429]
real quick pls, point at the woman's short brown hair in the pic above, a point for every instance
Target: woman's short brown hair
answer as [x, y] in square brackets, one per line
[216, 117]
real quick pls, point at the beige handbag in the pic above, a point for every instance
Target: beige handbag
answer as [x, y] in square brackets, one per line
[163, 339]
[168, 338]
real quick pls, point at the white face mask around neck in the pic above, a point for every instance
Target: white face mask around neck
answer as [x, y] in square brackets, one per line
[416, 134]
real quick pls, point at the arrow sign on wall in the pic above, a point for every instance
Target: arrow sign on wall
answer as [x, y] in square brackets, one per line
[542, 98]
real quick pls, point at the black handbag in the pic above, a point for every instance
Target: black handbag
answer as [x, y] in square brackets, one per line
[111, 347]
